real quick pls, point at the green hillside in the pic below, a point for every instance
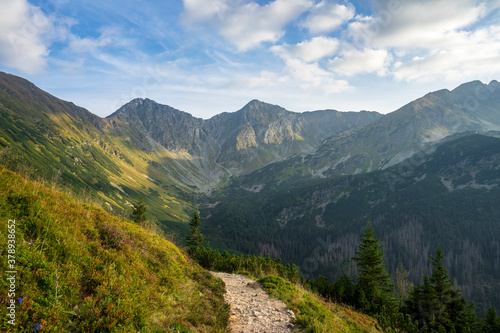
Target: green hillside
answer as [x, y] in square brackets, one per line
[58, 141]
[80, 269]
[445, 199]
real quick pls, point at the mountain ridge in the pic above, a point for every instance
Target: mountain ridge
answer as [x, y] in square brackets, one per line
[177, 163]
[233, 143]
[413, 127]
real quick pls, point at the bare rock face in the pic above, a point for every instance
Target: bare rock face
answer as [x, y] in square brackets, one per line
[246, 138]
[278, 132]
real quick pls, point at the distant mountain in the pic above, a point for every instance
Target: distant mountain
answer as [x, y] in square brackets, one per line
[230, 143]
[472, 107]
[150, 150]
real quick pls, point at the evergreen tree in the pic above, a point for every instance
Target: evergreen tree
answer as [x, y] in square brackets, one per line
[437, 306]
[491, 322]
[373, 279]
[344, 290]
[138, 214]
[195, 240]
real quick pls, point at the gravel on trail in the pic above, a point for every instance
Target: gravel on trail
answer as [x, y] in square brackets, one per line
[252, 310]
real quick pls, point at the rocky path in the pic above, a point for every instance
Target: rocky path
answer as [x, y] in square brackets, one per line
[252, 310]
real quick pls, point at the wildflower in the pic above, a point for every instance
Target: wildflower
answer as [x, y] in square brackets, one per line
[20, 300]
[36, 327]
[143, 252]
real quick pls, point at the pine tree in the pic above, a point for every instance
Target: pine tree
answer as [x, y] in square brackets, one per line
[373, 278]
[195, 240]
[138, 214]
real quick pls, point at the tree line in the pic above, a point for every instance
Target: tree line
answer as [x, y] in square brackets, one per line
[433, 306]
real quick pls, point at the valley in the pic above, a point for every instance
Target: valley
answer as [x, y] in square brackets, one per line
[299, 186]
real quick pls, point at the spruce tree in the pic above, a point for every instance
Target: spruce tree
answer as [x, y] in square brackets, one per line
[373, 279]
[437, 305]
[491, 322]
[195, 240]
[138, 214]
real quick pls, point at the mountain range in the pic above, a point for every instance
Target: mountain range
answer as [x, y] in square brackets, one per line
[295, 185]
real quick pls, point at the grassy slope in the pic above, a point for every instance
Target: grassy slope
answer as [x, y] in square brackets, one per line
[83, 270]
[314, 314]
[60, 141]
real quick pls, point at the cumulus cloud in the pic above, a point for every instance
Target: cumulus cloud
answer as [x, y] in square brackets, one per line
[352, 62]
[309, 51]
[475, 55]
[327, 16]
[245, 24]
[431, 39]
[415, 24]
[25, 37]
[200, 10]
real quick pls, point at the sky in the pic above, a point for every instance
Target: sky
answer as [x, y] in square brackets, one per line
[211, 56]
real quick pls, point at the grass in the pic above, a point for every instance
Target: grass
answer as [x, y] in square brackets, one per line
[314, 314]
[80, 269]
[50, 137]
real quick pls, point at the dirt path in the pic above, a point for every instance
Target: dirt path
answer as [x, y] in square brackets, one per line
[252, 310]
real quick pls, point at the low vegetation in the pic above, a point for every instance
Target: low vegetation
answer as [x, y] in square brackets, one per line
[434, 306]
[80, 269]
[314, 314]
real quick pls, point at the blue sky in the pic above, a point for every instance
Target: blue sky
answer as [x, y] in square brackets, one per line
[211, 56]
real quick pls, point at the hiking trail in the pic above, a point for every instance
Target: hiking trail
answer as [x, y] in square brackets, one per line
[252, 309]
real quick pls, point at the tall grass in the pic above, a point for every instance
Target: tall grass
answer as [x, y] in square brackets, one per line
[83, 270]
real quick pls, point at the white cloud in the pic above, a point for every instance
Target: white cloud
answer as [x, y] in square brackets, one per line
[415, 24]
[265, 79]
[109, 37]
[474, 56]
[432, 39]
[352, 62]
[302, 64]
[309, 51]
[245, 24]
[200, 10]
[24, 41]
[327, 16]
[312, 76]
[89, 45]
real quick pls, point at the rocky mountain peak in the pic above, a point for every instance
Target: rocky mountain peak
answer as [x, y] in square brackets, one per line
[469, 88]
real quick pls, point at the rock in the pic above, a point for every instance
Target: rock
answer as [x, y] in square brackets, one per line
[257, 312]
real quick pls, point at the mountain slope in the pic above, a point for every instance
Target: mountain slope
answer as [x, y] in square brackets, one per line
[79, 268]
[205, 152]
[446, 199]
[66, 144]
[273, 174]
[472, 107]
[149, 150]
